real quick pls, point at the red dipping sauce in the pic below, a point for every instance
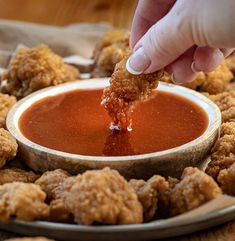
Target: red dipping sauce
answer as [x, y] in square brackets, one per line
[75, 122]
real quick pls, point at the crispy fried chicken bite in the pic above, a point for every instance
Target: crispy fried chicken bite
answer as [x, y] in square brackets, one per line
[172, 181]
[216, 165]
[226, 180]
[124, 91]
[213, 82]
[110, 50]
[58, 210]
[9, 175]
[103, 196]
[55, 184]
[226, 143]
[223, 153]
[151, 194]
[109, 38]
[8, 147]
[50, 180]
[6, 102]
[23, 201]
[30, 239]
[33, 69]
[226, 103]
[194, 189]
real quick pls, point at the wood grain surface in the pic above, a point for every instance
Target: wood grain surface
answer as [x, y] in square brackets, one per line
[62, 12]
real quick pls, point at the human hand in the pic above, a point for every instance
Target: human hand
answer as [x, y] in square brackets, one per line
[183, 36]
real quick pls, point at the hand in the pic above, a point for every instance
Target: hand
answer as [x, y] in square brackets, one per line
[183, 36]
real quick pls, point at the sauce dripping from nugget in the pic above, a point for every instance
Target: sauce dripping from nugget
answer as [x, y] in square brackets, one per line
[124, 91]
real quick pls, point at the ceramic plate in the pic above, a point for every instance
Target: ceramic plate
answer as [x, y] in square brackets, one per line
[183, 224]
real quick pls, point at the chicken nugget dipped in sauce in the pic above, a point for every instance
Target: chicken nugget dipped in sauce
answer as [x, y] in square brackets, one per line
[124, 91]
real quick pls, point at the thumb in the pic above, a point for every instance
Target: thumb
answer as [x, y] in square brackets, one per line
[163, 42]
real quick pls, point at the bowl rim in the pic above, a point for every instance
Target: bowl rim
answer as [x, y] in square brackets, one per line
[99, 83]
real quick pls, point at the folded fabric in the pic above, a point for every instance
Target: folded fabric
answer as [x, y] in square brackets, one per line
[74, 39]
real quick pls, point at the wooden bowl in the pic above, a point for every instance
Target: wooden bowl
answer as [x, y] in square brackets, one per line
[167, 162]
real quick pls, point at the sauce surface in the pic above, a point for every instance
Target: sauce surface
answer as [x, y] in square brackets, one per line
[75, 122]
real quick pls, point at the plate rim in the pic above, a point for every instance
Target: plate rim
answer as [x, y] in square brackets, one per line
[153, 225]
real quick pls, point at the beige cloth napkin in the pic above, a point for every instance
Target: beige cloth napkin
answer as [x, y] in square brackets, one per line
[74, 39]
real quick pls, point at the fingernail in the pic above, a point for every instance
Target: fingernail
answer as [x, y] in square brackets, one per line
[138, 62]
[194, 69]
[174, 80]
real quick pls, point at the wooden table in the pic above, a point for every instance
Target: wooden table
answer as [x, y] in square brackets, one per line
[62, 12]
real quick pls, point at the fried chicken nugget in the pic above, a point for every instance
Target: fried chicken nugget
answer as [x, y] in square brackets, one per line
[213, 82]
[194, 189]
[226, 103]
[33, 69]
[223, 153]
[125, 89]
[8, 147]
[103, 196]
[226, 180]
[23, 201]
[110, 50]
[151, 194]
[9, 175]
[54, 184]
[6, 102]
[58, 210]
[30, 239]
[50, 180]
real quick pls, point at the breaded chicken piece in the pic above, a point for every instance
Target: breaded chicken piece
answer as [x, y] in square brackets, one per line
[54, 184]
[230, 61]
[9, 175]
[58, 210]
[227, 129]
[213, 82]
[109, 38]
[223, 153]
[8, 147]
[6, 102]
[125, 89]
[50, 180]
[33, 69]
[226, 103]
[30, 239]
[110, 50]
[216, 165]
[172, 181]
[151, 194]
[226, 180]
[103, 196]
[194, 189]
[23, 201]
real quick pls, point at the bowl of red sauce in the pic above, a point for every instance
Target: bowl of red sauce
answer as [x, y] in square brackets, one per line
[67, 127]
